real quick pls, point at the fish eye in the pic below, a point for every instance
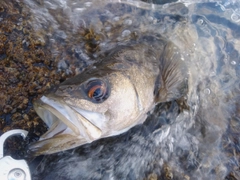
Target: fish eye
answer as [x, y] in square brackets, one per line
[97, 90]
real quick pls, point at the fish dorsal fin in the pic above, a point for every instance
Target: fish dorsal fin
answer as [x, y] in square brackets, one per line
[172, 82]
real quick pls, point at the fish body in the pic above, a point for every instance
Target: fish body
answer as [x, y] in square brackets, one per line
[111, 96]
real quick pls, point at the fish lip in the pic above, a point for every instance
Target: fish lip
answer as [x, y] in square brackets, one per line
[57, 144]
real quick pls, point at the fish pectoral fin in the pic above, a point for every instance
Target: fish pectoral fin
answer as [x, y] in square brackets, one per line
[172, 82]
[55, 144]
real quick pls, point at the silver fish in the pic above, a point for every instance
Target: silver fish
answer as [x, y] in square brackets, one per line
[111, 96]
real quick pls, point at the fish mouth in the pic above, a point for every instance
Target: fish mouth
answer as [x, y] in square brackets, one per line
[69, 126]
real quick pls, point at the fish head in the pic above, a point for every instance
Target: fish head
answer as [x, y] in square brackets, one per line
[100, 102]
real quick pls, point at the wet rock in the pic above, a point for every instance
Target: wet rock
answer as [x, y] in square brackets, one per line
[27, 68]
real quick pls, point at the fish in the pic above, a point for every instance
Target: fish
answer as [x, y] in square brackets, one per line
[111, 96]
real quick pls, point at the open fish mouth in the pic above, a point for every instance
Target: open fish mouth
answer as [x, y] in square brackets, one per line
[68, 125]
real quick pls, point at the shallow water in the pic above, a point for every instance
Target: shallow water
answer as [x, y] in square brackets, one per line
[199, 142]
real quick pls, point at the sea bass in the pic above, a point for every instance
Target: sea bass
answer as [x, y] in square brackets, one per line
[111, 96]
